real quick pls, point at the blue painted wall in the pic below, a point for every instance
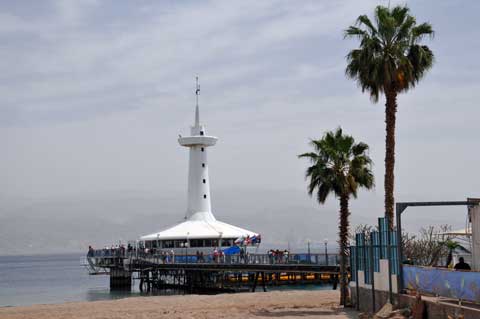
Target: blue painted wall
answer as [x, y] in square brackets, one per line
[443, 282]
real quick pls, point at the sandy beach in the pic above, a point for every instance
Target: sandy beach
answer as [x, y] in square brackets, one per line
[285, 304]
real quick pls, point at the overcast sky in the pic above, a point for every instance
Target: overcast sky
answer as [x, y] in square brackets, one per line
[95, 93]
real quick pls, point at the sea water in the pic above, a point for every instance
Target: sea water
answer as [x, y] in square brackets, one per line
[46, 279]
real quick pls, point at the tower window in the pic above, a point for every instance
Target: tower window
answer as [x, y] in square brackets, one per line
[203, 149]
[203, 164]
[204, 181]
[201, 132]
[204, 196]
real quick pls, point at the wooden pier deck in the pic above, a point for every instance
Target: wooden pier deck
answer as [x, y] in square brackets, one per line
[234, 267]
[227, 274]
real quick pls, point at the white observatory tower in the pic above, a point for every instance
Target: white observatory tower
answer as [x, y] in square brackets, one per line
[199, 204]
[200, 230]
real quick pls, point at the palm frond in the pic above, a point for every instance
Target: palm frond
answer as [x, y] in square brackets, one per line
[353, 31]
[339, 166]
[390, 55]
[422, 30]
[365, 20]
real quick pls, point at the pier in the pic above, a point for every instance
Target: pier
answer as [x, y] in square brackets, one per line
[228, 274]
[162, 259]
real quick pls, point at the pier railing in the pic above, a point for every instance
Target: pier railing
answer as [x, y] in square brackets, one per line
[107, 256]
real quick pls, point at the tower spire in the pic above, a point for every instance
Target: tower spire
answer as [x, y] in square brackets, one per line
[197, 111]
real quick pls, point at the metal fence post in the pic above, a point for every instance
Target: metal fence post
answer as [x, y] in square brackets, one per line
[372, 272]
[399, 249]
[357, 288]
[389, 257]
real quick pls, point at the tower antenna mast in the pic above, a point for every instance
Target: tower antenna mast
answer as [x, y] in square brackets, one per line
[197, 111]
[197, 90]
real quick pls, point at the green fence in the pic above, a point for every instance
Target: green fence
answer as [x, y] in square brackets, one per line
[370, 248]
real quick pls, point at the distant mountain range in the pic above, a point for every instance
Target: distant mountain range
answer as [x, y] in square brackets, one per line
[286, 218]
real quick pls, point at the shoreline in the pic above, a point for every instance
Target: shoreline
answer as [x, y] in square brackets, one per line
[285, 304]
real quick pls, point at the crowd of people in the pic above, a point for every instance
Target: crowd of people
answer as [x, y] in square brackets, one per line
[168, 256]
[111, 251]
[278, 256]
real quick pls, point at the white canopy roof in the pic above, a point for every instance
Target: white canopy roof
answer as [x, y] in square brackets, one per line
[200, 228]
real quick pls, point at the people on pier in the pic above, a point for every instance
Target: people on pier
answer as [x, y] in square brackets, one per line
[285, 256]
[163, 257]
[90, 251]
[220, 256]
[278, 256]
[242, 255]
[200, 258]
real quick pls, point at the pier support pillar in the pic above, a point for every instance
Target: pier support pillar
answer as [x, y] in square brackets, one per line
[120, 279]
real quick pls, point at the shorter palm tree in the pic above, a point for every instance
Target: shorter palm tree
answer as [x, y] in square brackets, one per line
[339, 166]
[452, 246]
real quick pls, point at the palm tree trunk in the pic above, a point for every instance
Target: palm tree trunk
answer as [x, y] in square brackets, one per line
[449, 257]
[390, 119]
[343, 234]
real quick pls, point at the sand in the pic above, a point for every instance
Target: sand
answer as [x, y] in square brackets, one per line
[278, 304]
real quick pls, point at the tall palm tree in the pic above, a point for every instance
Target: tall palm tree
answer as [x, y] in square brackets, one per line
[389, 60]
[339, 166]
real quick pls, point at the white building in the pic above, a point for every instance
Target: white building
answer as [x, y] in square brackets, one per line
[201, 229]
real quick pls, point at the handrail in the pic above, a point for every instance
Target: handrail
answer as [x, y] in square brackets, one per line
[247, 258]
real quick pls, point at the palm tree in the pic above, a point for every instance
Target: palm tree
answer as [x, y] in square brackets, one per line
[339, 166]
[389, 60]
[452, 246]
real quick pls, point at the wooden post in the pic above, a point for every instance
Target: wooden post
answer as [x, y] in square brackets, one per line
[263, 282]
[120, 279]
[255, 282]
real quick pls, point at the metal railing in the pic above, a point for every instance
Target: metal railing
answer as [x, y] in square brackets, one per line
[106, 256]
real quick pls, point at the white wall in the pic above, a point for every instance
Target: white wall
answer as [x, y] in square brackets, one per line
[475, 220]
[380, 278]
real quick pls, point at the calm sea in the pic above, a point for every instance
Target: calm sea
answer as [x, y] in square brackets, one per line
[27, 280]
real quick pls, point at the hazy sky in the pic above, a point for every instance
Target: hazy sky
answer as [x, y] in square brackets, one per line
[95, 93]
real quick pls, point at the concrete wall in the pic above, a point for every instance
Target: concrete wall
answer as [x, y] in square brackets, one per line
[380, 279]
[474, 213]
[433, 309]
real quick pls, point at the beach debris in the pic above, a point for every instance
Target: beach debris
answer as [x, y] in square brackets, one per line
[385, 311]
[418, 307]
[400, 313]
